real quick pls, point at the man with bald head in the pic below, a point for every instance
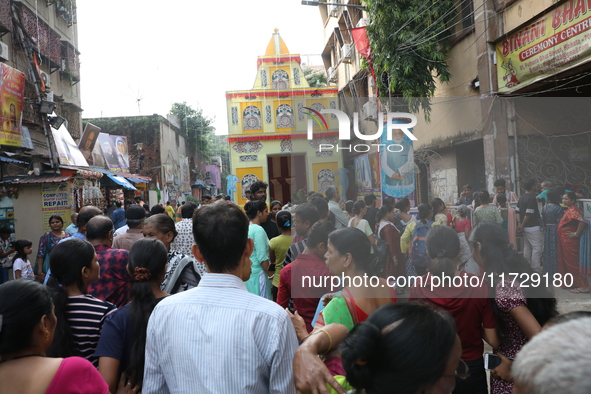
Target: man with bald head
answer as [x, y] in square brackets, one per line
[114, 281]
[86, 213]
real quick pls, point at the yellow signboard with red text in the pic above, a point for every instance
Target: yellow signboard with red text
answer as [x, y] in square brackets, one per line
[554, 42]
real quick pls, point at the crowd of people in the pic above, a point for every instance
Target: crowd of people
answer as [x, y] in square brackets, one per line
[218, 301]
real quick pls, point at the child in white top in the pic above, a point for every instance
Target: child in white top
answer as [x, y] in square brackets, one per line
[20, 264]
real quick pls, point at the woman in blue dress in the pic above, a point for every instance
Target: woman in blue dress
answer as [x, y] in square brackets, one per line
[551, 215]
[258, 283]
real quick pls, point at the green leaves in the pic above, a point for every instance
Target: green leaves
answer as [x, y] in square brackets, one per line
[409, 40]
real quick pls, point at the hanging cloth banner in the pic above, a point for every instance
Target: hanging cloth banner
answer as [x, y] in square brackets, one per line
[12, 91]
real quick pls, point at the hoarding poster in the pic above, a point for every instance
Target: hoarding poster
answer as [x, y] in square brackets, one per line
[67, 150]
[12, 91]
[366, 175]
[88, 140]
[185, 177]
[120, 144]
[397, 166]
[109, 154]
[56, 201]
[554, 42]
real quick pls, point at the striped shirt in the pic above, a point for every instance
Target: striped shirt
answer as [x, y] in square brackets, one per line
[86, 315]
[219, 338]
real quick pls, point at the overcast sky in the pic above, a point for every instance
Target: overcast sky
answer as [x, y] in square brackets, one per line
[162, 52]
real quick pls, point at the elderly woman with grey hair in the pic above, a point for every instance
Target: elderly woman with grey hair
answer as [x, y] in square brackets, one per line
[463, 226]
[556, 360]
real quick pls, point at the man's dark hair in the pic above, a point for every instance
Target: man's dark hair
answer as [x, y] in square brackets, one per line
[256, 186]
[127, 202]
[331, 191]
[499, 182]
[319, 233]
[227, 198]
[98, 228]
[118, 204]
[308, 213]
[203, 198]
[467, 186]
[135, 223]
[188, 209]
[369, 199]
[310, 193]
[529, 184]
[321, 205]
[87, 213]
[137, 199]
[5, 230]
[156, 209]
[167, 202]
[222, 254]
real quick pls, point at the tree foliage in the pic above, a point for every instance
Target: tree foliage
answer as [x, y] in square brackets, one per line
[409, 42]
[316, 79]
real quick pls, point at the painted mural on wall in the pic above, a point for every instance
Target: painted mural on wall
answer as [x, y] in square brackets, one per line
[325, 179]
[246, 181]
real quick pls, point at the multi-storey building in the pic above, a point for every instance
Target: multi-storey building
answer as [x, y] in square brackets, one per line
[49, 27]
[514, 107]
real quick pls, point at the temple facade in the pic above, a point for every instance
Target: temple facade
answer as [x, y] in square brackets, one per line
[268, 130]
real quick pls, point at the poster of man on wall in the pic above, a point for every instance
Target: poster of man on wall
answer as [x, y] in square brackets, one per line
[397, 164]
[88, 140]
[12, 90]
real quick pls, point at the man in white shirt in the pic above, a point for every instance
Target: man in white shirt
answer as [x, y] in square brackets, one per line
[341, 219]
[218, 337]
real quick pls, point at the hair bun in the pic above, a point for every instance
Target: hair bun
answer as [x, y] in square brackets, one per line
[358, 352]
[141, 274]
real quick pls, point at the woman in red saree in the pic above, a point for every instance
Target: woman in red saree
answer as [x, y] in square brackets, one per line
[569, 230]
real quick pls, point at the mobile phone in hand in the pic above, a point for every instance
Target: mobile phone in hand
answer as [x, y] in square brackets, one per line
[491, 361]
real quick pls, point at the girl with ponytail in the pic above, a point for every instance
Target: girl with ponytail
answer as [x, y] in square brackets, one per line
[467, 303]
[122, 344]
[521, 311]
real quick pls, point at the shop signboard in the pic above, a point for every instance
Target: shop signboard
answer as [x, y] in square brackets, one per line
[554, 42]
[56, 200]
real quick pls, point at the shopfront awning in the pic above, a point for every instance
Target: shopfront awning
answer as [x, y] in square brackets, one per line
[137, 180]
[199, 184]
[47, 178]
[121, 181]
[9, 160]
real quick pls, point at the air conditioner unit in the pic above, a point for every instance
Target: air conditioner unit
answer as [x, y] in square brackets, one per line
[370, 110]
[4, 51]
[332, 74]
[363, 22]
[346, 53]
[46, 79]
[333, 11]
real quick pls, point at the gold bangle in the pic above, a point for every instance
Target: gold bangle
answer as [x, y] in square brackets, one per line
[329, 338]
